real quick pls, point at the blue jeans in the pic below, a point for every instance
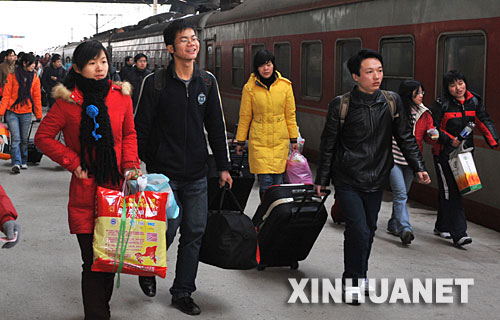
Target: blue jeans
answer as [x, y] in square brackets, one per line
[360, 212]
[401, 178]
[191, 196]
[19, 126]
[268, 179]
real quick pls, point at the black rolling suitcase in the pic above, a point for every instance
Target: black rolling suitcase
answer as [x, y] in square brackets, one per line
[288, 223]
[243, 182]
[34, 154]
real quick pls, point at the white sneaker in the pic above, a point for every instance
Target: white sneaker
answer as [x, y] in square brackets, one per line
[16, 169]
[352, 295]
[366, 287]
[445, 235]
[24, 166]
[463, 241]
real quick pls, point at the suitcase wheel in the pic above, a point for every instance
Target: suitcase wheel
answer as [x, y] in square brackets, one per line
[261, 267]
[294, 266]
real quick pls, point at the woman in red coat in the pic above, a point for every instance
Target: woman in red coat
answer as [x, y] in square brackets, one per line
[95, 116]
[420, 120]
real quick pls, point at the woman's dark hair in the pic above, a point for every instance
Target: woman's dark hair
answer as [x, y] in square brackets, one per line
[27, 58]
[83, 53]
[87, 51]
[354, 62]
[68, 58]
[262, 57]
[449, 78]
[406, 90]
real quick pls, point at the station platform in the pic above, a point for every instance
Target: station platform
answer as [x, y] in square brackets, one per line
[40, 277]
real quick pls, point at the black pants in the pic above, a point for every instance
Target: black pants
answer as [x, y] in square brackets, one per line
[97, 287]
[360, 211]
[451, 215]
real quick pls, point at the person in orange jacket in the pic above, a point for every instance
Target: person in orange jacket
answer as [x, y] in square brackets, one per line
[21, 97]
[8, 216]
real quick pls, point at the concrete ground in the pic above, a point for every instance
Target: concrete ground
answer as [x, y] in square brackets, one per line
[40, 277]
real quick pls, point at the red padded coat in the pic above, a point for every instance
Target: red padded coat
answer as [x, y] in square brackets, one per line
[65, 116]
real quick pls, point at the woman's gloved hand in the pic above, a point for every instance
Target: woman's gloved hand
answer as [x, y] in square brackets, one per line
[10, 228]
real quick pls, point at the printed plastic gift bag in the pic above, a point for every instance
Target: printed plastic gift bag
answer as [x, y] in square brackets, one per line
[297, 169]
[159, 183]
[4, 142]
[134, 243]
[465, 173]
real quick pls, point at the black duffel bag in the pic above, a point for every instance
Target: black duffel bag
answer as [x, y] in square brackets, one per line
[230, 240]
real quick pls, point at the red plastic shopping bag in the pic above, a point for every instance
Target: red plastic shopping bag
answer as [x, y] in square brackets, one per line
[134, 243]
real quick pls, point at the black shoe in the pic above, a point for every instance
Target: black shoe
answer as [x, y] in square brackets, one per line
[148, 285]
[186, 305]
[407, 237]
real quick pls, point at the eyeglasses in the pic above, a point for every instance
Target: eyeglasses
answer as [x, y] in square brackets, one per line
[186, 40]
[420, 93]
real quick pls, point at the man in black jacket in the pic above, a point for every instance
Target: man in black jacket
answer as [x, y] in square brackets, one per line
[52, 75]
[357, 156]
[136, 75]
[175, 107]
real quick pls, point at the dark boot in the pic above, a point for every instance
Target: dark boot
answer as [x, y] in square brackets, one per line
[148, 285]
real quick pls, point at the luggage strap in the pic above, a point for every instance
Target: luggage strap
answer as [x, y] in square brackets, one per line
[280, 202]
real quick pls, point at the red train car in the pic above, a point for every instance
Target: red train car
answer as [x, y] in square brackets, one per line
[312, 40]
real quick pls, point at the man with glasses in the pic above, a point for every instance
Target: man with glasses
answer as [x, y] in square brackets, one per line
[176, 105]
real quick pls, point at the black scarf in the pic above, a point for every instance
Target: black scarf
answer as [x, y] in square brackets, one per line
[25, 80]
[269, 81]
[97, 156]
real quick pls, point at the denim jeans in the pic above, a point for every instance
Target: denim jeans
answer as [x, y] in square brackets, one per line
[191, 196]
[19, 126]
[360, 212]
[267, 180]
[451, 214]
[401, 178]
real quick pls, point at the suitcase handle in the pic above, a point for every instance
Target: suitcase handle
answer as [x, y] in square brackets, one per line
[310, 194]
[233, 197]
[31, 128]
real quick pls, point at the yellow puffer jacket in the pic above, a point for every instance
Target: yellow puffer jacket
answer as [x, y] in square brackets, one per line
[270, 116]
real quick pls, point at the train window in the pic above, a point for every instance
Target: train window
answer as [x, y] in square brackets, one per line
[238, 71]
[464, 52]
[344, 50]
[210, 57]
[282, 55]
[218, 63]
[255, 48]
[398, 55]
[311, 67]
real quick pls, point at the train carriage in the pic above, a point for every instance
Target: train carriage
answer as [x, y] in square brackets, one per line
[312, 40]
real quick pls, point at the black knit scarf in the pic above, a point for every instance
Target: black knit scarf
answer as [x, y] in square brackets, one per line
[97, 156]
[25, 80]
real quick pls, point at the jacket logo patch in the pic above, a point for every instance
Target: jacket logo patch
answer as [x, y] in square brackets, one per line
[202, 98]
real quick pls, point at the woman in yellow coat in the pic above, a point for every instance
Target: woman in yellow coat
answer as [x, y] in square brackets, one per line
[268, 111]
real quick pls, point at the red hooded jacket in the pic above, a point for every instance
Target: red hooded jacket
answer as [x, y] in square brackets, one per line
[65, 115]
